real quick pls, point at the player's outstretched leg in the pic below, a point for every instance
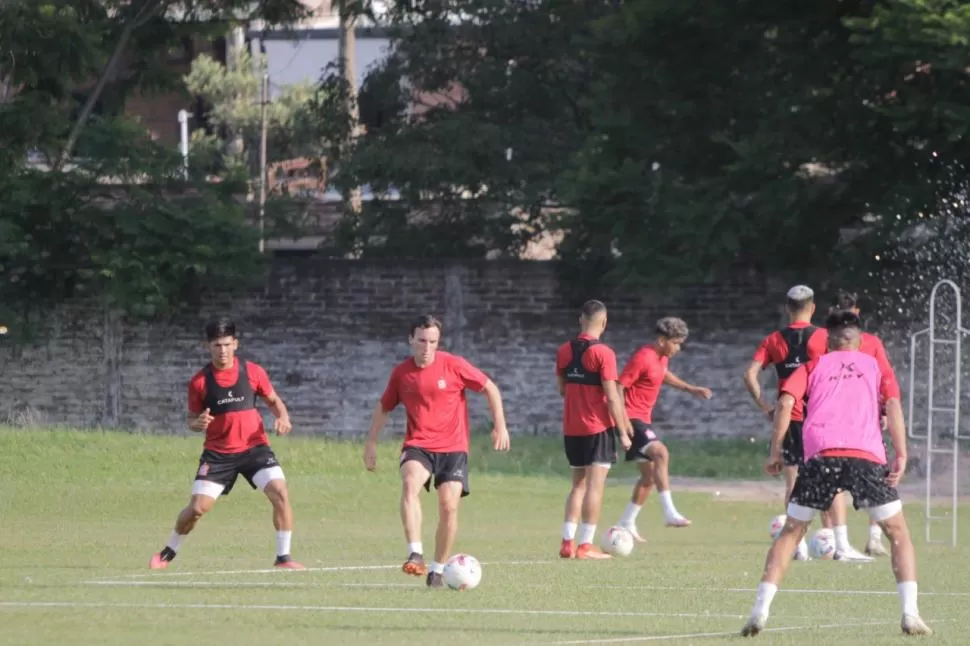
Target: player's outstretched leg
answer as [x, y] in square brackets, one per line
[790, 472]
[658, 454]
[413, 476]
[641, 490]
[779, 557]
[874, 546]
[592, 505]
[203, 498]
[273, 484]
[449, 496]
[890, 517]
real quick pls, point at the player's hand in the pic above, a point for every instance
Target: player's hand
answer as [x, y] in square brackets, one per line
[370, 456]
[500, 438]
[626, 439]
[896, 471]
[769, 413]
[774, 465]
[701, 392]
[201, 422]
[282, 425]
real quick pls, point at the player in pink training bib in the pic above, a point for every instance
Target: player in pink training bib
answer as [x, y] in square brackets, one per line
[843, 452]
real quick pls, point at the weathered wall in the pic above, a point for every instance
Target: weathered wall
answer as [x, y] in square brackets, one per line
[328, 332]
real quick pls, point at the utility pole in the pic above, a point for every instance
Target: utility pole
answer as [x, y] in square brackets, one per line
[262, 161]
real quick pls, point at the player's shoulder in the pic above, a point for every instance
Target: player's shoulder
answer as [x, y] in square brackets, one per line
[198, 379]
[449, 360]
[252, 367]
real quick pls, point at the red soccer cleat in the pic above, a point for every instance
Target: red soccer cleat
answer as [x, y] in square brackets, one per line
[568, 549]
[286, 563]
[157, 562]
[589, 552]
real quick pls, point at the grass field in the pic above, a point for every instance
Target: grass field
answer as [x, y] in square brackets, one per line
[81, 513]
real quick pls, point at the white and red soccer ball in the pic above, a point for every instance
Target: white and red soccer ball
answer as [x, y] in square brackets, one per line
[462, 572]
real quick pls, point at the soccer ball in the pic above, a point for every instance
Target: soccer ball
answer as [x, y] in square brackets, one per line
[822, 545]
[777, 524]
[462, 572]
[617, 541]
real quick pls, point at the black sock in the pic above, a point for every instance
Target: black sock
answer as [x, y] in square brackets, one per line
[283, 559]
[167, 554]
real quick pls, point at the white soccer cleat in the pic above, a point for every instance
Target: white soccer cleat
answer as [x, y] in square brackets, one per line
[677, 521]
[876, 548]
[851, 555]
[633, 532]
[913, 625]
[754, 625]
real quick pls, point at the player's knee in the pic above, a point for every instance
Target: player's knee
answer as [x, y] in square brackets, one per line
[198, 508]
[657, 452]
[411, 488]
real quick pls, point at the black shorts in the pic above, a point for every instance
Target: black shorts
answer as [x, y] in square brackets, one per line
[821, 478]
[223, 468]
[444, 467]
[792, 450]
[643, 435]
[587, 450]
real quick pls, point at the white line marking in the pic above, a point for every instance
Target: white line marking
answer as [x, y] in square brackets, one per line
[783, 590]
[334, 568]
[657, 638]
[470, 611]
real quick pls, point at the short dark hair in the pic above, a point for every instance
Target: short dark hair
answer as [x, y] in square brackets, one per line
[845, 300]
[219, 328]
[842, 318]
[592, 308]
[424, 322]
[672, 328]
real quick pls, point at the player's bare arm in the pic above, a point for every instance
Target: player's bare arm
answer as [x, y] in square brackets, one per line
[276, 406]
[782, 420]
[754, 387]
[674, 381]
[500, 432]
[377, 422]
[618, 412]
[198, 423]
[561, 384]
[897, 435]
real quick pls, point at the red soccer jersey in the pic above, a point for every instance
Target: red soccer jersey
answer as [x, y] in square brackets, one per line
[434, 399]
[584, 406]
[642, 378]
[774, 349]
[232, 432]
[872, 345]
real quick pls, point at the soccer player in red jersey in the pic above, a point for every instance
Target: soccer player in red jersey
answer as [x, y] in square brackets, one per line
[593, 411]
[431, 385]
[641, 380]
[222, 404]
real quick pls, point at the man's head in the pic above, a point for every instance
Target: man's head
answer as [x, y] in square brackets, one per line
[801, 303]
[845, 330]
[592, 318]
[424, 337]
[220, 339]
[671, 334]
[845, 301]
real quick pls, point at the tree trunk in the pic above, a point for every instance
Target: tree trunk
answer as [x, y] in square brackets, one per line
[347, 53]
[112, 345]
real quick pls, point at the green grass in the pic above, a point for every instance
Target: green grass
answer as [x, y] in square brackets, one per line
[78, 507]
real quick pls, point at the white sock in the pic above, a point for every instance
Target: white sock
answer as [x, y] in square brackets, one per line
[630, 515]
[437, 568]
[569, 530]
[587, 533]
[875, 533]
[283, 543]
[842, 538]
[907, 597]
[667, 503]
[415, 548]
[174, 541]
[762, 602]
[802, 548]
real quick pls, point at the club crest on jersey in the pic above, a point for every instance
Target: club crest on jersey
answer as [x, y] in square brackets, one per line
[441, 384]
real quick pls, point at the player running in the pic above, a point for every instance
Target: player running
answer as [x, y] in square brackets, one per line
[844, 450]
[222, 404]
[431, 384]
[593, 411]
[641, 380]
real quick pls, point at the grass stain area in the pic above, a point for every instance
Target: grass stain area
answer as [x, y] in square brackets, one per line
[82, 512]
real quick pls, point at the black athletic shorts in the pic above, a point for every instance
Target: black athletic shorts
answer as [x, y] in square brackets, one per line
[792, 450]
[643, 435]
[223, 468]
[444, 467]
[587, 450]
[821, 478]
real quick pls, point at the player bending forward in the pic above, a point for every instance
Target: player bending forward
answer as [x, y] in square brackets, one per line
[431, 385]
[222, 404]
[843, 445]
[641, 380]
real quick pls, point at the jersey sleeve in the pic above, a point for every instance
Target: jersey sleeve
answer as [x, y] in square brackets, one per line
[197, 394]
[632, 370]
[471, 377]
[765, 354]
[797, 383]
[563, 357]
[605, 360]
[259, 380]
[391, 397]
[817, 344]
[888, 384]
